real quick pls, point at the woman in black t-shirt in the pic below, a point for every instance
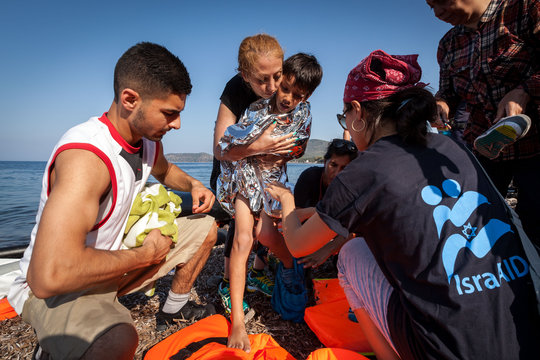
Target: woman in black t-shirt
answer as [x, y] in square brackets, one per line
[260, 60]
[311, 187]
[441, 272]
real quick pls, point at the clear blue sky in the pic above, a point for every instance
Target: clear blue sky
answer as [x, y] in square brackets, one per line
[57, 57]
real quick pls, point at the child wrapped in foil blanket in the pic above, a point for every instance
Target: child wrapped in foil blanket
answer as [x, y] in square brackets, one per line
[249, 176]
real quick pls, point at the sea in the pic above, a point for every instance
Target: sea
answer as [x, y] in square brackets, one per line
[20, 188]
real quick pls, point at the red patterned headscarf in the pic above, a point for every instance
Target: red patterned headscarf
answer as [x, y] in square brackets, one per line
[365, 82]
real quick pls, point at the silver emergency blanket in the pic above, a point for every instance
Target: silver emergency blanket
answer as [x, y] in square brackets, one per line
[250, 176]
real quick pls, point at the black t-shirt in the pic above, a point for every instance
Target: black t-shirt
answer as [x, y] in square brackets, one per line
[309, 188]
[236, 96]
[441, 235]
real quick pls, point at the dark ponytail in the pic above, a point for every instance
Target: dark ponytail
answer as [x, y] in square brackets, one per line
[410, 110]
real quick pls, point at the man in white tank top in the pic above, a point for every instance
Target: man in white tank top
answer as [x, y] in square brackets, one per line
[74, 270]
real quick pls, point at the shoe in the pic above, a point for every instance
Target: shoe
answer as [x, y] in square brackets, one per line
[190, 311]
[273, 263]
[224, 292]
[260, 283]
[507, 131]
[39, 353]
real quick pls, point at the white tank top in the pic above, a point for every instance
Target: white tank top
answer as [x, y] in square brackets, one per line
[129, 169]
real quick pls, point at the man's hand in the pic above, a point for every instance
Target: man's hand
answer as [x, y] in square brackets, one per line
[201, 194]
[513, 103]
[157, 246]
[442, 110]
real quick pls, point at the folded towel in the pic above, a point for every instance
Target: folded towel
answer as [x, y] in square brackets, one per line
[153, 208]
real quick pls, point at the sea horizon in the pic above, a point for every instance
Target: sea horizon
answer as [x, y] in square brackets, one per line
[20, 189]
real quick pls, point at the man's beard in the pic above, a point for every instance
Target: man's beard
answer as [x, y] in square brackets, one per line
[140, 126]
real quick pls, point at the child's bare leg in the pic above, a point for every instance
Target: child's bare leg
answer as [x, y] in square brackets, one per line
[242, 244]
[269, 236]
[226, 265]
[258, 263]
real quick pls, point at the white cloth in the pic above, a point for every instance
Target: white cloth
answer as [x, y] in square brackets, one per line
[153, 208]
[9, 270]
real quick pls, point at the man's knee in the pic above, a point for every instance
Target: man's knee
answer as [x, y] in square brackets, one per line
[351, 250]
[118, 342]
[211, 238]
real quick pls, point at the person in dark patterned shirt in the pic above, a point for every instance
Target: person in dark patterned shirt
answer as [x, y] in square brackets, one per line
[490, 60]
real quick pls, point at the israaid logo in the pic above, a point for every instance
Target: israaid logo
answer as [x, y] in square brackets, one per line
[478, 241]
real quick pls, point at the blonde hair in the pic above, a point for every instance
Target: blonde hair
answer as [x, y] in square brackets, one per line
[253, 47]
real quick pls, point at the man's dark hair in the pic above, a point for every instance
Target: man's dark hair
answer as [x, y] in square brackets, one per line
[306, 71]
[341, 147]
[150, 70]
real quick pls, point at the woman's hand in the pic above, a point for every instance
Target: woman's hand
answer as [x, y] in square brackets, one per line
[318, 257]
[278, 191]
[268, 144]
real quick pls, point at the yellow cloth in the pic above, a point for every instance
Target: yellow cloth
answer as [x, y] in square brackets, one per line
[153, 208]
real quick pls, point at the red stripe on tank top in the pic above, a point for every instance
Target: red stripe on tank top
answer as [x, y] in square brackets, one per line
[117, 137]
[104, 158]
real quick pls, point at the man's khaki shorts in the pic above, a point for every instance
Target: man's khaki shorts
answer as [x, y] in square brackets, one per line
[66, 325]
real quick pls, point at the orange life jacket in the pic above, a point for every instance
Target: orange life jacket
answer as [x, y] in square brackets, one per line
[335, 354]
[6, 311]
[207, 339]
[329, 319]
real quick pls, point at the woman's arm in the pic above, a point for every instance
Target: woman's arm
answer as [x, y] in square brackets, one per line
[266, 143]
[301, 239]
[305, 213]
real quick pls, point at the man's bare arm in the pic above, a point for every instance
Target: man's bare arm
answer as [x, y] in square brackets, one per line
[175, 178]
[61, 262]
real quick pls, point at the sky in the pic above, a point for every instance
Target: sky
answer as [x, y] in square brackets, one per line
[57, 58]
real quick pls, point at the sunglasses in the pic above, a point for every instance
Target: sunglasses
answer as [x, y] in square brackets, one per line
[341, 118]
[341, 143]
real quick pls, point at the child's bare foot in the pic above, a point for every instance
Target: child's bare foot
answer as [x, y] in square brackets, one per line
[239, 338]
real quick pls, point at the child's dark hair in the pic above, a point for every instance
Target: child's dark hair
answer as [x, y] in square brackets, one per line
[341, 147]
[151, 70]
[306, 71]
[410, 109]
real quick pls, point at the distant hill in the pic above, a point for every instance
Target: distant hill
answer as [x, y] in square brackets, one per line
[189, 157]
[314, 153]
